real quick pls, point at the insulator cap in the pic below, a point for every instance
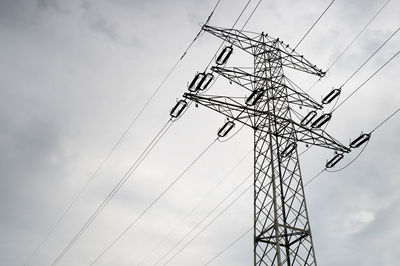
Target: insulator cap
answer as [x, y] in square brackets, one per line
[200, 82]
[360, 140]
[224, 130]
[224, 55]
[289, 149]
[308, 118]
[194, 85]
[331, 96]
[322, 120]
[206, 81]
[178, 108]
[332, 162]
[254, 97]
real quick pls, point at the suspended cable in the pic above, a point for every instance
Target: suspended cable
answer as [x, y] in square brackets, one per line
[351, 162]
[370, 77]
[203, 219]
[315, 23]
[387, 119]
[75, 199]
[350, 44]
[200, 202]
[121, 182]
[153, 202]
[229, 246]
[199, 33]
[212, 221]
[207, 67]
[362, 150]
[252, 13]
[234, 24]
[358, 35]
[372, 55]
[336, 105]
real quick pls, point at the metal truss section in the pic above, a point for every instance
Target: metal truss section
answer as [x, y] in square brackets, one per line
[247, 81]
[250, 41]
[231, 108]
[282, 233]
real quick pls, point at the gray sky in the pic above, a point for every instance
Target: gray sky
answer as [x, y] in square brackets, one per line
[75, 73]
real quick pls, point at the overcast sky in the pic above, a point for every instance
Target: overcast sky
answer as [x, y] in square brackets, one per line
[74, 74]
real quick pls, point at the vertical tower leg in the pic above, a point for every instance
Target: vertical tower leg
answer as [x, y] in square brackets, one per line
[282, 234]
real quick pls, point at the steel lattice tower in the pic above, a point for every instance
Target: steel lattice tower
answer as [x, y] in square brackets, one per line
[282, 234]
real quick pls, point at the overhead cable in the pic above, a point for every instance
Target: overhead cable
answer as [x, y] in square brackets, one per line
[199, 203]
[358, 35]
[229, 246]
[371, 56]
[234, 24]
[251, 15]
[121, 182]
[199, 33]
[350, 44]
[203, 219]
[104, 251]
[386, 120]
[100, 166]
[208, 224]
[153, 202]
[315, 23]
[368, 79]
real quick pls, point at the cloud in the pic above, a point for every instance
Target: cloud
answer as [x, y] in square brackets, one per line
[75, 73]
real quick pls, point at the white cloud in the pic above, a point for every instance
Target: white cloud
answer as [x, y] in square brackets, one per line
[75, 73]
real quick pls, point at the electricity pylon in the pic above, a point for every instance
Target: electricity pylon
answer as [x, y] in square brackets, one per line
[282, 234]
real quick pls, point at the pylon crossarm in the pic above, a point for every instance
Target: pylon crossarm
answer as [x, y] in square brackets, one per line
[236, 75]
[247, 81]
[310, 136]
[289, 57]
[235, 37]
[245, 115]
[226, 106]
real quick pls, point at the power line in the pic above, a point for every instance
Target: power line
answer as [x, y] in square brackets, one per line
[358, 35]
[199, 33]
[336, 105]
[315, 23]
[252, 13]
[209, 193]
[75, 199]
[350, 44]
[103, 207]
[153, 202]
[370, 57]
[314, 177]
[361, 151]
[121, 182]
[203, 219]
[229, 246]
[370, 77]
[233, 26]
[386, 119]
[212, 221]
[365, 146]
